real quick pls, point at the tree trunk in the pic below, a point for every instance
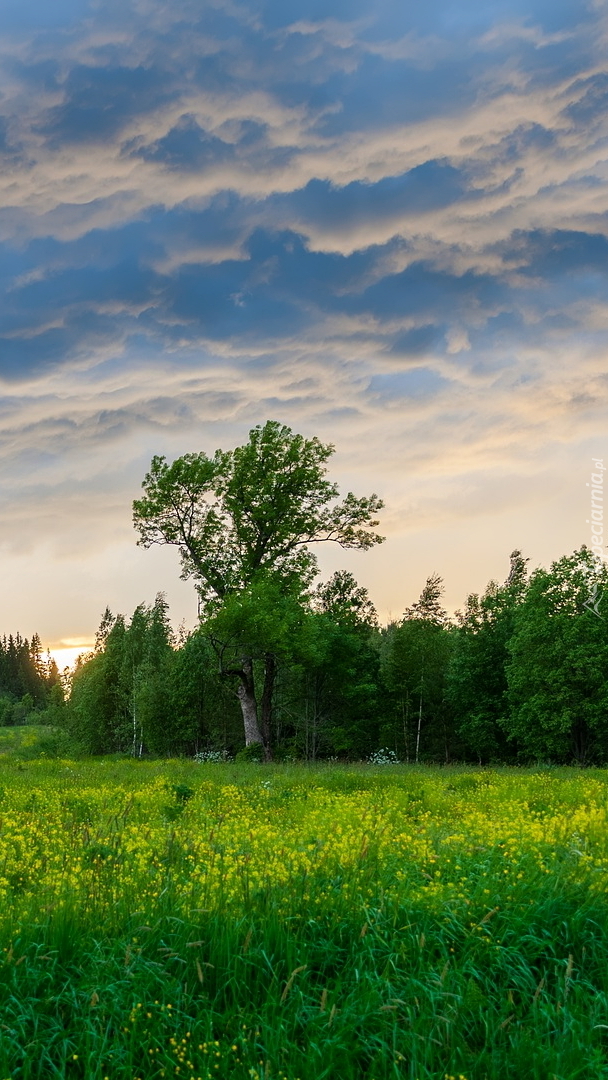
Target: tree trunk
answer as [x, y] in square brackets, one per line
[420, 710]
[306, 704]
[249, 705]
[419, 725]
[134, 752]
[270, 672]
[580, 740]
[134, 712]
[405, 709]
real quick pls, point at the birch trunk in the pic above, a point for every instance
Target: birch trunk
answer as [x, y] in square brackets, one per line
[419, 725]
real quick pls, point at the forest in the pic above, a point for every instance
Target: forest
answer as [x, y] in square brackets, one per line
[31, 688]
[283, 668]
[517, 676]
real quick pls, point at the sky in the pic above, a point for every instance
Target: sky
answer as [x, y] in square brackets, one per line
[383, 224]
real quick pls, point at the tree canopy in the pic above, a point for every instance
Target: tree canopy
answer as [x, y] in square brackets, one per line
[251, 511]
[243, 521]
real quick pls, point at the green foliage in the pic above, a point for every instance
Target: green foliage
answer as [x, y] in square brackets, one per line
[119, 697]
[415, 660]
[415, 657]
[203, 708]
[182, 792]
[521, 677]
[260, 619]
[254, 752]
[557, 683]
[30, 686]
[339, 691]
[477, 676]
[346, 602]
[251, 512]
[429, 608]
[327, 692]
[27, 742]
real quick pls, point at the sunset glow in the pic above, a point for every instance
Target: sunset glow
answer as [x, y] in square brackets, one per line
[65, 656]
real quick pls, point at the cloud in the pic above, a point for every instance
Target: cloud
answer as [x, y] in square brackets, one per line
[386, 227]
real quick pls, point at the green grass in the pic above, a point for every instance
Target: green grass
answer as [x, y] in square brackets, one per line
[28, 737]
[359, 964]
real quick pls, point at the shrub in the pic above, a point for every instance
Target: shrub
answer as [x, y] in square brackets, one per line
[205, 757]
[383, 757]
[255, 752]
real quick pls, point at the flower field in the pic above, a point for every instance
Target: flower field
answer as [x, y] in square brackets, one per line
[282, 923]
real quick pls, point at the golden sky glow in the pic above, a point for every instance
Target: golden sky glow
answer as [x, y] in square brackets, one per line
[67, 655]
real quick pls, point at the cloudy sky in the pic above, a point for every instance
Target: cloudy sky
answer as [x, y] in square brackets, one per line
[385, 224]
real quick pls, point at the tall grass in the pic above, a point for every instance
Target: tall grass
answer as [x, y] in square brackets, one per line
[173, 920]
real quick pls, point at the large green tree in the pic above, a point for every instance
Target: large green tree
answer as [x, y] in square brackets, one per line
[243, 521]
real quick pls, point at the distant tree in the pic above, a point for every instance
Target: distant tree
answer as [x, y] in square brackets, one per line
[98, 713]
[121, 693]
[337, 694]
[429, 607]
[477, 679]
[204, 711]
[243, 521]
[558, 659]
[346, 601]
[26, 680]
[54, 711]
[415, 660]
[105, 627]
[150, 689]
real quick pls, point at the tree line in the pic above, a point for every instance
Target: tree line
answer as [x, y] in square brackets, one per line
[518, 676]
[30, 685]
[282, 667]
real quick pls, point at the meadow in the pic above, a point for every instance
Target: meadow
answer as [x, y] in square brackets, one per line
[167, 919]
